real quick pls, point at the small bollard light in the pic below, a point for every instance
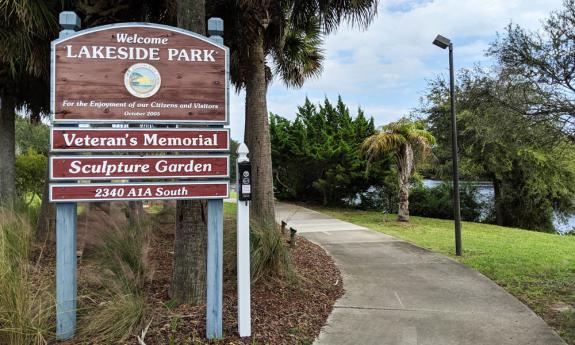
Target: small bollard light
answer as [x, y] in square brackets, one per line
[292, 237]
[284, 224]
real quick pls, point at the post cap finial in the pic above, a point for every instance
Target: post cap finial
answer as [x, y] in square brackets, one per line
[69, 20]
[215, 26]
[242, 152]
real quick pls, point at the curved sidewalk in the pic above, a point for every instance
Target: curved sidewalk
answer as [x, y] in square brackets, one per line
[401, 294]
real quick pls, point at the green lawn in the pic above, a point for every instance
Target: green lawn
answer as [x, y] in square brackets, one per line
[538, 268]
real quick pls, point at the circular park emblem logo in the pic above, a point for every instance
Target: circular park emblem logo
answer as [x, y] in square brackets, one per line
[142, 80]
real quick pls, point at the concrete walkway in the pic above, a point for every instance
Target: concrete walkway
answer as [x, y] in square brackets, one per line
[400, 294]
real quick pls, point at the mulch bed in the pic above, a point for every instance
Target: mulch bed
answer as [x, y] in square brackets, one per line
[282, 312]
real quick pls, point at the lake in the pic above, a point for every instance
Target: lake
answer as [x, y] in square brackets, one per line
[485, 194]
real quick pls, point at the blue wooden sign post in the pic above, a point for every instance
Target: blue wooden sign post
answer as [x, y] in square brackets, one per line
[214, 279]
[214, 273]
[66, 235]
[65, 270]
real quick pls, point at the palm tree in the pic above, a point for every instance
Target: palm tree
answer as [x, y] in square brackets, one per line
[407, 141]
[256, 30]
[24, 26]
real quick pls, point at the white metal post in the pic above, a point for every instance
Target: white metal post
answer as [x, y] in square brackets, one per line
[243, 249]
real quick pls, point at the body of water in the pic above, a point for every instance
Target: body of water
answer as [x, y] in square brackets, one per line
[485, 194]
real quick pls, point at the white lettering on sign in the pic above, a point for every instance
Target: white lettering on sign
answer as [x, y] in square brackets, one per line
[87, 141]
[139, 53]
[113, 53]
[200, 140]
[162, 166]
[190, 55]
[168, 193]
[135, 38]
[149, 139]
[77, 167]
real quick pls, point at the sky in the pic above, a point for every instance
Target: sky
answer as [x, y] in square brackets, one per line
[385, 69]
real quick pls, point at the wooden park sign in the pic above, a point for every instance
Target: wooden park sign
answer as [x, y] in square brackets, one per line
[139, 73]
[142, 77]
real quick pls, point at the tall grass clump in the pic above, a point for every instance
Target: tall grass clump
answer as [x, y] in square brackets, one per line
[124, 267]
[270, 257]
[124, 256]
[26, 299]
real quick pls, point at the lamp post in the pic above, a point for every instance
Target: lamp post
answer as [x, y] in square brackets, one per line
[443, 43]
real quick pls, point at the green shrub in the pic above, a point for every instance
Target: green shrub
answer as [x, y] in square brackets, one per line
[29, 136]
[31, 175]
[326, 140]
[437, 202]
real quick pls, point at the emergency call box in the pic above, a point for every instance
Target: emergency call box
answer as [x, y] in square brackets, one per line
[244, 181]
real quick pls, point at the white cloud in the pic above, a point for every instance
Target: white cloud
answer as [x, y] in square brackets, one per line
[385, 67]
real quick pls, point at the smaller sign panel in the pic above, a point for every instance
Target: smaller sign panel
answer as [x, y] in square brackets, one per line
[138, 139]
[74, 192]
[146, 167]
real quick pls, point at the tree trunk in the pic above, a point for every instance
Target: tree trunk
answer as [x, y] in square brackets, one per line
[497, 201]
[192, 15]
[404, 169]
[43, 224]
[190, 251]
[135, 212]
[7, 149]
[257, 135]
[190, 243]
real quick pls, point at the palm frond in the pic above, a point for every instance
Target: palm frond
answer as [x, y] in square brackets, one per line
[382, 142]
[358, 13]
[298, 55]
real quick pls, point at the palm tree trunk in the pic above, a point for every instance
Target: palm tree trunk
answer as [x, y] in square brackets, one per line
[190, 251]
[404, 169]
[257, 134]
[190, 243]
[7, 149]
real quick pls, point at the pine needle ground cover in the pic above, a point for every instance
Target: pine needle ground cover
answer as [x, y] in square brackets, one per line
[538, 268]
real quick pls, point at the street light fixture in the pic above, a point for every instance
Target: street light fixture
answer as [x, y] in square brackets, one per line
[443, 42]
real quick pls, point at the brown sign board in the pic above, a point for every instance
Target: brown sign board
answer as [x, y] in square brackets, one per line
[139, 72]
[78, 192]
[145, 167]
[138, 139]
